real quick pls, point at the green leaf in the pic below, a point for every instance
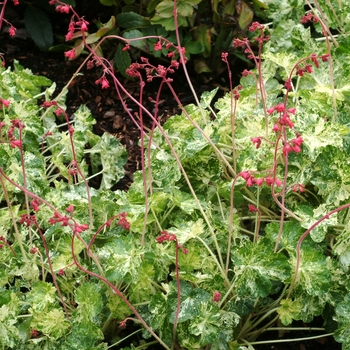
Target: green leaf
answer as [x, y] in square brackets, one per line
[89, 299]
[256, 267]
[122, 60]
[84, 335]
[289, 311]
[112, 157]
[109, 2]
[42, 296]
[122, 259]
[136, 34]
[129, 20]
[314, 276]
[39, 27]
[52, 323]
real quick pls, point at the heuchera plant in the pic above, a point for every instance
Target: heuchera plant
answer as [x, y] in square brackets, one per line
[237, 224]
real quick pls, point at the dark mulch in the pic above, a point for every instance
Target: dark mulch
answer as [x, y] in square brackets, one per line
[107, 109]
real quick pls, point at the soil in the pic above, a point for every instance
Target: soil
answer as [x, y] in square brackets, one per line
[110, 116]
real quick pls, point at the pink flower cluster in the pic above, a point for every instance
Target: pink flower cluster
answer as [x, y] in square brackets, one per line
[252, 181]
[166, 236]
[4, 103]
[67, 220]
[123, 222]
[15, 124]
[152, 71]
[284, 119]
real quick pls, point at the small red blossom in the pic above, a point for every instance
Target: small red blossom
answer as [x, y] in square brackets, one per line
[216, 296]
[238, 43]
[4, 103]
[158, 46]
[298, 141]
[60, 272]
[245, 174]
[165, 236]
[78, 228]
[35, 204]
[280, 108]
[123, 222]
[250, 181]
[298, 187]
[59, 111]
[90, 64]
[325, 57]
[16, 143]
[58, 218]
[256, 26]
[246, 72]
[174, 64]
[28, 220]
[48, 104]
[12, 31]
[69, 36]
[259, 181]
[185, 251]
[314, 60]
[236, 94]
[84, 26]
[126, 47]
[15, 2]
[70, 54]
[308, 68]
[103, 81]
[34, 250]
[287, 149]
[63, 8]
[276, 128]
[306, 18]
[224, 56]
[122, 324]
[256, 141]
[288, 84]
[278, 182]
[269, 181]
[300, 72]
[34, 333]
[271, 110]
[252, 208]
[70, 209]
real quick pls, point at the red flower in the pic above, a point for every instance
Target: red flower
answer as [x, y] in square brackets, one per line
[257, 141]
[70, 209]
[158, 46]
[70, 54]
[216, 296]
[165, 236]
[271, 110]
[16, 143]
[5, 103]
[252, 208]
[126, 47]
[35, 204]
[69, 36]
[12, 31]
[280, 108]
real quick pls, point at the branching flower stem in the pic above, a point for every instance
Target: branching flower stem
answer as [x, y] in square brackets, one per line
[116, 291]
